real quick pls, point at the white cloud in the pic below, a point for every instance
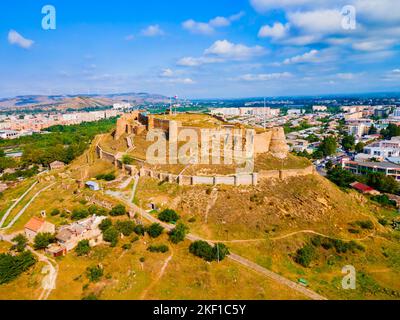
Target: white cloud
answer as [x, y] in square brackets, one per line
[194, 62]
[346, 76]
[396, 71]
[178, 80]
[210, 26]
[152, 31]
[264, 5]
[320, 21]
[276, 31]
[15, 38]
[306, 57]
[265, 76]
[229, 50]
[129, 37]
[374, 44]
[167, 73]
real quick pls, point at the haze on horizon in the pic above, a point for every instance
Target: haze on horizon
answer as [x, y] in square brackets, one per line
[202, 49]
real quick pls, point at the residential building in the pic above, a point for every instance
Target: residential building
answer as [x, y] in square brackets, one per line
[363, 168]
[57, 165]
[38, 225]
[384, 148]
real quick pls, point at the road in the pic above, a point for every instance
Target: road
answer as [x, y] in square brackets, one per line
[234, 257]
[16, 203]
[22, 211]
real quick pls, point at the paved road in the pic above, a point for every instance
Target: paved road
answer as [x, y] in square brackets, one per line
[22, 211]
[16, 203]
[234, 257]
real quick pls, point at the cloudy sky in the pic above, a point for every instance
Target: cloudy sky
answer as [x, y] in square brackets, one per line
[201, 49]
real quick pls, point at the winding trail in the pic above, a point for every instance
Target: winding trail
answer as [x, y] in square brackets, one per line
[234, 257]
[159, 276]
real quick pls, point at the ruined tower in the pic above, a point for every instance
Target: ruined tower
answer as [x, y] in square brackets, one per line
[279, 147]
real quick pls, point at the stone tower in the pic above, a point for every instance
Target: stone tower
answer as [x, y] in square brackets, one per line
[279, 147]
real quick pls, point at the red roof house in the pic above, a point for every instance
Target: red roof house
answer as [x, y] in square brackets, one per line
[363, 188]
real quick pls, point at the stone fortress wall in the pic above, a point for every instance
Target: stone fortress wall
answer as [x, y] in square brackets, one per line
[272, 141]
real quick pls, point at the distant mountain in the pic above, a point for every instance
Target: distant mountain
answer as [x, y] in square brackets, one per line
[60, 102]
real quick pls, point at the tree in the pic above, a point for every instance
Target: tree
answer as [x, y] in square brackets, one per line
[329, 165]
[126, 159]
[105, 224]
[348, 142]
[118, 210]
[83, 248]
[79, 214]
[20, 242]
[125, 227]
[94, 273]
[305, 255]
[55, 212]
[12, 266]
[155, 230]
[161, 248]
[168, 215]
[111, 235]
[391, 131]
[328, 146]
[178, 234]
[382, 183]
[43, 240]
[139, 230]
[372, 130]
[360, 147]
[341, 177]
[207, 252]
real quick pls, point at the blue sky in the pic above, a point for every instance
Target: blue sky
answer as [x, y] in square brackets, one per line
[200, 49]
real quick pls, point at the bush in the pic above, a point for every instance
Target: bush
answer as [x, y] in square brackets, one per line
[83, 248]
[127, 246]
[98, 211]
[105, 224]
[20, 242]
[305, 255]
[139, 230]
[43, 240]
[383, 222]
[55, 212]
[106, 177]
[384, 200]
[155, 230]
[168, 216]
[204, 250]
[178, 234]
[79, 214]
[111, 235]
[94, 274]
[126, 159]
[368, 225]
[125, 227]
[118, 210]
[160, 248]
[12, 266]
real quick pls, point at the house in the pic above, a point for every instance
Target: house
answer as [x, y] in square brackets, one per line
[70, 235]
[363, 188]
[38, 225]
[92, 185]
[57, 165]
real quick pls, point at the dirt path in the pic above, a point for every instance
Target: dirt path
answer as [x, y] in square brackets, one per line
[211, 203]
[246, 263]
[320, 234]
[159, 276]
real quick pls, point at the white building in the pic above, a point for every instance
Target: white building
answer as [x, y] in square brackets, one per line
[122, 105]
[319, 108]
[384, 149]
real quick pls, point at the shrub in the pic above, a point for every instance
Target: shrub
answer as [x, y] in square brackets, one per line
[43, 240]
[383, 222]
[90, 297]
[105, 224]
[305, 255]
[125, 227]
[139, 230]
[94, 274]
[12, 266]
[106, 177]
[160, 248]
[126, 159]
[111, 235]
[118, 210]
[368, 225]
[168, 215]
[79, 214]
[127, 246]
[83, 248]
[55, 212]
[155, 230]
[384, 200]
[178, 234]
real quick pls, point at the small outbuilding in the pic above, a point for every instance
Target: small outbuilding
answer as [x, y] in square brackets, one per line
[92, 185]
[57, 165]
[363, 188]
[38, 225]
